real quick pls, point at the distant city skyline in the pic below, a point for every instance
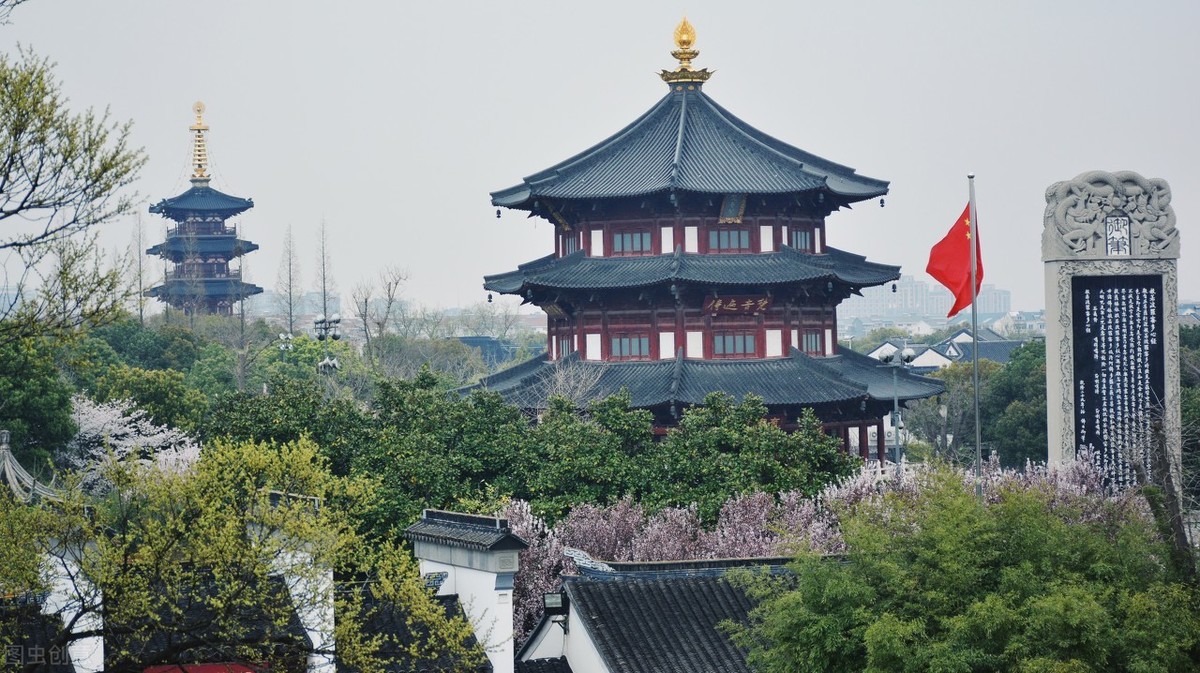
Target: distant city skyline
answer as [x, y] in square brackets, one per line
[392, 122]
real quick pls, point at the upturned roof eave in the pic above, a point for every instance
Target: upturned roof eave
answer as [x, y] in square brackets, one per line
[835, 265]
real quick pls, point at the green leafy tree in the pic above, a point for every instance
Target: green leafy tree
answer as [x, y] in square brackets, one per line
[877, 336]
[35, 401]
[435, 448]
[934, 579]
[187, 565]
[162, 393]
[575, 459]
[62, 173]
[947, 422]
[1013, 408]
[291, 411]
[725, 448]
[162, 346]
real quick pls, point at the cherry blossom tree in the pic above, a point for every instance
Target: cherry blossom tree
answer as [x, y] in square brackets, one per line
[118, 430]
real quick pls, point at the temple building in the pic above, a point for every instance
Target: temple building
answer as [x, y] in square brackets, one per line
[200, 244]
[691, 255]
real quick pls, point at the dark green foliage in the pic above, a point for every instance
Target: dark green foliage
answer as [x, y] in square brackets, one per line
[164, 347]
[290, 411]
[724, 448]
[1013, 407]
[935, 580]
[1189, 337]
[162, 393]
[595, 458]
[35, 401]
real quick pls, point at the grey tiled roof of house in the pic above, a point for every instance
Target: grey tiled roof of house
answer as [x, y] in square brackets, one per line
[788, 265]
[687, 142]
[464, 530]
[661, 624]
[548, 665]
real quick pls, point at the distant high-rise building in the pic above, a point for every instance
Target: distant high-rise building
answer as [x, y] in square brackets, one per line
[913, 298]
[200, 245]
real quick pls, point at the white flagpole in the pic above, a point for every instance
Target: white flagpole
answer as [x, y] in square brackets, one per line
[975, 337]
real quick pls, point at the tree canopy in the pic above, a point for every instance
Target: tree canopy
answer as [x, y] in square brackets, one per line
[933, 579]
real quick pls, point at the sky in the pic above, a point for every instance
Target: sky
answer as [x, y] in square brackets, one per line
[392, 121]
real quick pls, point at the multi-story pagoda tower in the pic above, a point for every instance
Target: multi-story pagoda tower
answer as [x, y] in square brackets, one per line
[691, 256]
[201, 245]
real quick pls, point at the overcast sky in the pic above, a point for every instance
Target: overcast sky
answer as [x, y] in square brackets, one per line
[392, 121]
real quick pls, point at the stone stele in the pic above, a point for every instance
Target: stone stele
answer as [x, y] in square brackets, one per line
[1112, 328]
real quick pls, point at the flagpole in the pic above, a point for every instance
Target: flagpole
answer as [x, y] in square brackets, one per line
[975, 337]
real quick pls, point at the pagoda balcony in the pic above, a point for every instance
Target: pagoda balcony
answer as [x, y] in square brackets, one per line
[193, 276]
[200, 229]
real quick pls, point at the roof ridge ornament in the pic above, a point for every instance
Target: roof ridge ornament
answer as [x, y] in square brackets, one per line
[685, 37]
[200, 176]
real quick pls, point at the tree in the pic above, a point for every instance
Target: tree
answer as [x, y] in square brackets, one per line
[161, 393]
[137, 251]
[1013, 408]
[288, 286]
[376, 307]
[877, 336]
[118, 431]
[951, 432]
[214, 563]
[723, 448]
[1027, 579]
[326, 285]
[61, 174]
[35, 401]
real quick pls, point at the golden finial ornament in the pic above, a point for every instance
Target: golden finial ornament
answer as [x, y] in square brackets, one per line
[200, 174]
[685, 37]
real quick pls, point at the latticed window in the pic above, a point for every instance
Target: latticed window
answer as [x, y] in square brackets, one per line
[570, 244]
[630, 347]
[802, 239]
[812, 341]
[740, 344]
[728, 240]
[631, 243]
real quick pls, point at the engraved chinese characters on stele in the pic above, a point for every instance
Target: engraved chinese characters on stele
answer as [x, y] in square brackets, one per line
[736, 304]
[1119, 378]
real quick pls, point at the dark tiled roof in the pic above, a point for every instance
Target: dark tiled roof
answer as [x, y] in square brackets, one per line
[996, 351]
[688, 142]
[204, 245]
[798, 379]
[464, 530]
[202, 199]
[548, 665]
[206, 287]
[788, 265]
[663, 624]
[877, 377]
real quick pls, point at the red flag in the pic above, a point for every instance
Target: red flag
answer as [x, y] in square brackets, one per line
[950, 262]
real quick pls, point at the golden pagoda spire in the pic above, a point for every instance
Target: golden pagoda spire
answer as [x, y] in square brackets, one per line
[200, 174]
[685, 37]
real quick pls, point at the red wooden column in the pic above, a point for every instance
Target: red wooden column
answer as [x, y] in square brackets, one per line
[864, 443]
[880, 441]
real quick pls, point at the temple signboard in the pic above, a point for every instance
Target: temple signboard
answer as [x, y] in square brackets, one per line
[736, 304]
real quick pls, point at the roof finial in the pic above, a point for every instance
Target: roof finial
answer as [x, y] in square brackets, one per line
[685, 37]
[200, 174]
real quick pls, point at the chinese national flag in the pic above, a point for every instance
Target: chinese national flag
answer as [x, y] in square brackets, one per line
[950, 262]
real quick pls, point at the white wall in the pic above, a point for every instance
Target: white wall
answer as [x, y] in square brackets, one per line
[488, 610]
